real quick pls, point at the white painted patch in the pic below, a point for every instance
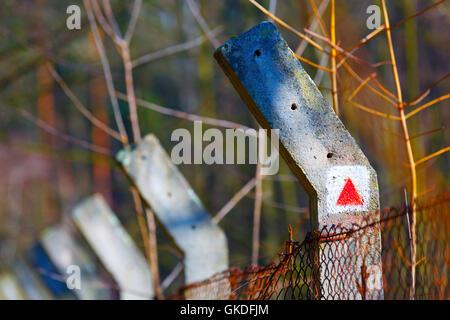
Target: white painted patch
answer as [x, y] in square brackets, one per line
[353, 176]
[375, 278]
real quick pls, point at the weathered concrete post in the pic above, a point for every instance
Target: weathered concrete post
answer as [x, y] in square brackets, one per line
[10, 288]
[341, 184]
[177, 207]
[66, 252]
[114, 247]
[33, 286]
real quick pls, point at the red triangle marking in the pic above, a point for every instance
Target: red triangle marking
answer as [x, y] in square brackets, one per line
[349, 195]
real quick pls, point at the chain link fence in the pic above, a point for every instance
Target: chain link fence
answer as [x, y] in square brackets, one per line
[323, 265]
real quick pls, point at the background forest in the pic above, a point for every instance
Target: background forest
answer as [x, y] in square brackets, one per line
[52, 156]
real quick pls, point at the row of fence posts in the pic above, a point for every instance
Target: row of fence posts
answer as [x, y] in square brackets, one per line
[109, 263]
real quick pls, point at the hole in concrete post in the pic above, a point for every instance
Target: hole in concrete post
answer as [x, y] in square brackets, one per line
[293, 106]
[257, 53]
[329, 155]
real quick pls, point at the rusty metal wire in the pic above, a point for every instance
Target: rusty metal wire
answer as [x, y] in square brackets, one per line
[323, 265]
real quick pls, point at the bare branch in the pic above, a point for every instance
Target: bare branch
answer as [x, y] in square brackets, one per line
[103, 23]
[284, 24]
[427, 132]
[172, 49]
[431, 156]
[323, 5]
[133, 20]
[426, 105]
[374, 112]
[201, 21]
[64, 136]
[257, 210]
[83, 110]
[185, 115]
[129, 83]
[172, 276]
[111, 19]
[312, 63]
[234, 200]
[426, 92]
[107, 72]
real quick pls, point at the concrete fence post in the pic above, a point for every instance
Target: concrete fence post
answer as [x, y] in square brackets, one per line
[341, 184]
[67, 253]
[115, 248]
[180, 212]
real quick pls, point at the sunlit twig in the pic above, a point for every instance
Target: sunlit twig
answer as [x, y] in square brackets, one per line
[431, 156]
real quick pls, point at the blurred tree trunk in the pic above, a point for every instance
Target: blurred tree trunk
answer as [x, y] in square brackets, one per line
[46, 112]
[101, 168]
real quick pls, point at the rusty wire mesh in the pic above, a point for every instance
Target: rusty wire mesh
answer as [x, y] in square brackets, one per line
[322, 266]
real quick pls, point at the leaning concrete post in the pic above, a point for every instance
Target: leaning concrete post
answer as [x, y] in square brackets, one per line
[177, 207]
[68, 255]
[33, 286]
[341, 184]
[10, 288]
[114, 247]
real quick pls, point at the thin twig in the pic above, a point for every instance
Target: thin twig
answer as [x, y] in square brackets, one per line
[234, 200]
[153, 251]
[378, 93]
[257, 208]
[318, 14]
[172, 276]
[362, 84]
[412, 169]
[103, 23]
[77, 103]
[392, 133]
[386, 91]
[312, 63]
[129, 83]
[142, 225]
[422, 193]
[173, 49]
[426, 105]
[333, 45]
[374, 112]
[431, 156]
[319, 74]
[272, 8]
[186, 115]
[333, 74]
[302, 46]
[362, 42]
[410, 244]
[111, 19]
[427, 133]
[64, 136]
[201, 21]
[133, 20]
[426, 92]
[380, 31]
[284, 24]
[107, 73]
